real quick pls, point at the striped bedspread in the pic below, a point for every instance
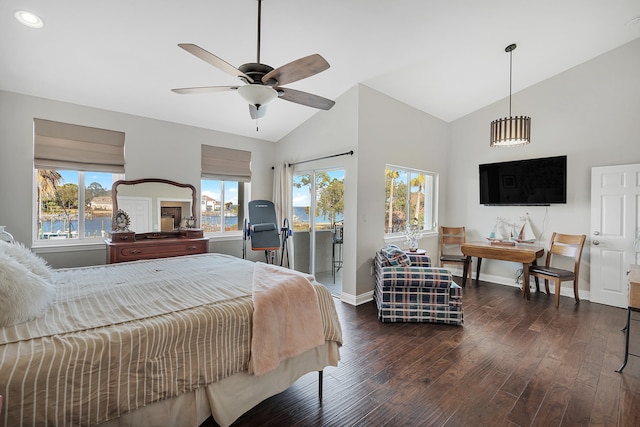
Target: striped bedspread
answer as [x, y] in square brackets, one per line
[125, 335]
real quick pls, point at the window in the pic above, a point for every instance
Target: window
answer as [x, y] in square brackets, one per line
[222, 205]
[410, 196]
[224, 188]
[75, 167]
[64, 212]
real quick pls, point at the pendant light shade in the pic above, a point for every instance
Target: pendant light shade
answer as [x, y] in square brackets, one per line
[510, 131]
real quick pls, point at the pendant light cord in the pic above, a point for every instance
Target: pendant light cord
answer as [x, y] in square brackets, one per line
[510, 77]
[510, 49]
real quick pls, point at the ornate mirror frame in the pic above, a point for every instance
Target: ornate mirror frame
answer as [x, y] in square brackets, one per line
[114, 191]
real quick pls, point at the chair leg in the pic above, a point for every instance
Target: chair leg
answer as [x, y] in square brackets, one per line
[575, 290]
[546, 285]
[558, 284]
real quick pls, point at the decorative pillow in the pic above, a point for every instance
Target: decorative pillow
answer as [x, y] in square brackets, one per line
[24, 256]
[395, 255]
[24, 295]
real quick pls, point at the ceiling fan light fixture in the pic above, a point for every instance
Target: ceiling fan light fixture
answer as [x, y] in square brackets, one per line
[29, 19]
[257, 94]
[510, 131]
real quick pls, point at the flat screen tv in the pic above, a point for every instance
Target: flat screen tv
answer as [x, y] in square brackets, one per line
[531, 182]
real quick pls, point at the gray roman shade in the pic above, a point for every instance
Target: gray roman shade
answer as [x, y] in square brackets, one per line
[226, 164]
[65, 146]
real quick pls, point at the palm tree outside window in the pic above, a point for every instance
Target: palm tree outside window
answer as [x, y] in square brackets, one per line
[410, 198]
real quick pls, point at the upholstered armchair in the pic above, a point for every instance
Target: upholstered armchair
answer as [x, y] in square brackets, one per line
[409, 289]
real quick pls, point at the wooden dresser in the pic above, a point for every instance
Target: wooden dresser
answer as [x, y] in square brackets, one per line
[128, 246]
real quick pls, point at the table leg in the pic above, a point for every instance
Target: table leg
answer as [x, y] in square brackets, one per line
[536, 277]
[478, 272]
[626, 345]
[466, 273]
[525, 281]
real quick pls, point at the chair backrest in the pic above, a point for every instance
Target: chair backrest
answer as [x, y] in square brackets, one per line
[450, 240]
[566, 245]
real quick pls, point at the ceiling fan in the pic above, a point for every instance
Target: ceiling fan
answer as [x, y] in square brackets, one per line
[262, 83]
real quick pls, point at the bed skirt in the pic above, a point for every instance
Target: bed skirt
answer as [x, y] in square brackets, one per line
[231, 397]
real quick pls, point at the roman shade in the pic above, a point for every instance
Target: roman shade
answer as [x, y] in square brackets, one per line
[226, 164]
[66, 146]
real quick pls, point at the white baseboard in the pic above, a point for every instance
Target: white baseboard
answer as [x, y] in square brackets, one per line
[356, 299]
[566, 291]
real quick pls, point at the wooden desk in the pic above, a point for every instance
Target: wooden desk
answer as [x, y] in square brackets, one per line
[526, 254]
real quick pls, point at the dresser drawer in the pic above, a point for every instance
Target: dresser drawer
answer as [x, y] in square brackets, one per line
[151, 249]
[123, 236]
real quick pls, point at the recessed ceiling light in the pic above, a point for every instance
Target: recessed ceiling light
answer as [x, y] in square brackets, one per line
[29, 19]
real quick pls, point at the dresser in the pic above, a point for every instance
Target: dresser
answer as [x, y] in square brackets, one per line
[128, 246]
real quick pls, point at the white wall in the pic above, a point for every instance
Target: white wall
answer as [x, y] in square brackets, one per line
[590, 113]
[153, 149]
[325, 134]
[380, 130]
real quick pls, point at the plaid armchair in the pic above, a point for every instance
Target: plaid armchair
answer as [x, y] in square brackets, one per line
[408, 289]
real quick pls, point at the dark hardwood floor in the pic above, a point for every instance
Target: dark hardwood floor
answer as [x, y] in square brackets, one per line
[513, 363]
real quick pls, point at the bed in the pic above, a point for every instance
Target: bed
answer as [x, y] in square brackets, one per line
[155, 342]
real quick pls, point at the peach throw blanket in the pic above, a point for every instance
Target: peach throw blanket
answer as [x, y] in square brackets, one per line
[286, 317]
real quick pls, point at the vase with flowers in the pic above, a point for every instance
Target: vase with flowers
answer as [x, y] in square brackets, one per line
[412, 234]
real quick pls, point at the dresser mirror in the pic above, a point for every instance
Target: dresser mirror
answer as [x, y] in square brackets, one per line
[155, 205]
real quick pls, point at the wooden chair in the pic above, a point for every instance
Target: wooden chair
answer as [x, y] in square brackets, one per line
[565, 245]
[451, 238]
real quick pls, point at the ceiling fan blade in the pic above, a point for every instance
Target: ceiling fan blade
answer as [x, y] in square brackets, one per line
[257, 112]
[214, 60]
[304, 98]
[204, 89]
[297, 70]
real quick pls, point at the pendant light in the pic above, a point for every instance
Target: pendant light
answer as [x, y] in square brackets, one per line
[510, 131]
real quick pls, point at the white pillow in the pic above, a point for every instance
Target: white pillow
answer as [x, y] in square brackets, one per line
[24, 295]
[24, 256]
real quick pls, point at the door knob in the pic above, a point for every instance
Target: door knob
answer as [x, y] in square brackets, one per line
[596, 233]
[596, 242]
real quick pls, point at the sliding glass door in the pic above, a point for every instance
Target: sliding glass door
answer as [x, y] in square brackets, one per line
[318, 221]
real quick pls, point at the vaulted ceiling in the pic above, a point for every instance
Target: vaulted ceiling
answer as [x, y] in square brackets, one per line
[445, 58]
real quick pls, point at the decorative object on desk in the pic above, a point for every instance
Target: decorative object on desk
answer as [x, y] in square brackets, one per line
[526, 234]
[412, 234]
[5, 235]
[502, 230]
[510, 131]
[503, 243]
[190, 222]
[121, 221]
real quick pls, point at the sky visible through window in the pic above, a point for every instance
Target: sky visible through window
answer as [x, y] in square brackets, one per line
[71, 177]
[302, 197]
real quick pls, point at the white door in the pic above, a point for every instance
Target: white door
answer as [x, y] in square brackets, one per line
[139, 211]
[615, 218]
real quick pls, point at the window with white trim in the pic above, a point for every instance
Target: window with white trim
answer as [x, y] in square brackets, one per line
[75, 167]
[224, 189]
[410, 198]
